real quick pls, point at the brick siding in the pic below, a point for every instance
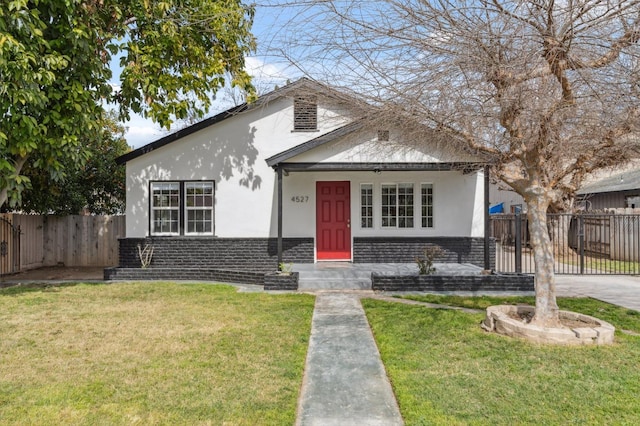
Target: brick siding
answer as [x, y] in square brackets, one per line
[406, 249]
[258, 254]
[491, 282]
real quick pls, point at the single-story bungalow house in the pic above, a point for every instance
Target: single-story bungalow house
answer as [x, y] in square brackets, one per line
[295, 177]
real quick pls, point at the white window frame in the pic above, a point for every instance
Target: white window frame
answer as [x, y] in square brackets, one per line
[169, 186]
[370, 207]
[395, 218]
[424, 207]
[195, 208]
[407, 217]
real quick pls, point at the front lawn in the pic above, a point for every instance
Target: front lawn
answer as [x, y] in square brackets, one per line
[151, 353]
[446, 370]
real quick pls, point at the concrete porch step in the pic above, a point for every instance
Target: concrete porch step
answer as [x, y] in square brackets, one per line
[320, 283]
[336, 275]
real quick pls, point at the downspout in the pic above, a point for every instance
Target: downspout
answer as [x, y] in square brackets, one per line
[279, 171]
[487, 223]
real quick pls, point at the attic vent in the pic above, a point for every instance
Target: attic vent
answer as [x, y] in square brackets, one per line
[383, 135]
[305, 113]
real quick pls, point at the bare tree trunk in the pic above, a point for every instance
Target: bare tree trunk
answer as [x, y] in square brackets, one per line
[560, 232]
[546, 307]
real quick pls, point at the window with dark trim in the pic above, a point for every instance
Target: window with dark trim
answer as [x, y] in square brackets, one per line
[305, 113]
[199, 208]
[165, 208]
[182, 208]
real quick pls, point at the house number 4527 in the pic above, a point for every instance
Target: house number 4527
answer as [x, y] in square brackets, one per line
[300, 198]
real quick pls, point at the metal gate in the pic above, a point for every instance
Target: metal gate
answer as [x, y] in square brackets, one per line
[583, 243]
[9, 247]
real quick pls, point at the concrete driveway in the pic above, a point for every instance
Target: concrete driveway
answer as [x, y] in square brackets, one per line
[622, 290]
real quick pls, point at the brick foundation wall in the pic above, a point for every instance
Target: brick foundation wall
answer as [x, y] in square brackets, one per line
[493, 282]
[258, 254]
[406, 249]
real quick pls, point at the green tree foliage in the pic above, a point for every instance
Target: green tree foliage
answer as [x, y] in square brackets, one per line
[96, 184]
[55, 75]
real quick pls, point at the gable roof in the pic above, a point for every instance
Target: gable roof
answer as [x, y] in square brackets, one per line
[623, 181]
[313, 143]
[262, 100]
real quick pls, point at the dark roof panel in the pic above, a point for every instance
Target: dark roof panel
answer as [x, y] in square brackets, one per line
[619, 182]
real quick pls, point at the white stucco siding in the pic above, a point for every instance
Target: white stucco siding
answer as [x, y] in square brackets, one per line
[232, 153]
[458, 203]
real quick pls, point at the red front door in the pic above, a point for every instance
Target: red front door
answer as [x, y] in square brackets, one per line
[333, 220]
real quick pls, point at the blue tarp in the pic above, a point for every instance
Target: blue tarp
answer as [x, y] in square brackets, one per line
[498, 208]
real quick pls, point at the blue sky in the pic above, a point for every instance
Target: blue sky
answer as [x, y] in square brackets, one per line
[267, 71]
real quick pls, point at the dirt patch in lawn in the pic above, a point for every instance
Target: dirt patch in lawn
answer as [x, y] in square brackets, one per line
[54, 273]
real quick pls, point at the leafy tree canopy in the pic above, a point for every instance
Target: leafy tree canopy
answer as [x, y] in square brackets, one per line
[96, 184]
[55, 71]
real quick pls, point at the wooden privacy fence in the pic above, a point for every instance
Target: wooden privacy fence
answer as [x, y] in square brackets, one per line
[9, 247]
[47, 240]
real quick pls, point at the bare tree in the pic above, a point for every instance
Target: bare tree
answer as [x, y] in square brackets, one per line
[548, 91]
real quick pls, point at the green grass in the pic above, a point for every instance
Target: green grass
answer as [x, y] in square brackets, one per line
[446, 370]
[150, 353]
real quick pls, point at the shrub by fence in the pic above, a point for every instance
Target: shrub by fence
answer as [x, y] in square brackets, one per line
[70, 240]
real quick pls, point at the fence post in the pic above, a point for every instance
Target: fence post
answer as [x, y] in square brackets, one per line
[581, 242]
[518, 243]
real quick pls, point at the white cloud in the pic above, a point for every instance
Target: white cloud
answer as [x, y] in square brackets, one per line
[141, 131]
[261, 70]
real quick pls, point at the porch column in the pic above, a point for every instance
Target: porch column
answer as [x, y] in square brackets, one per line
[279, 170]
[487, 224]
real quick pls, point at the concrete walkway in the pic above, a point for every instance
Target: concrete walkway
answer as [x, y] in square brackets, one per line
[345, 382]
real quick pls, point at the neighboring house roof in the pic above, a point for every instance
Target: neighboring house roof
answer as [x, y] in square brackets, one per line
[623, 181]
[261, 101]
